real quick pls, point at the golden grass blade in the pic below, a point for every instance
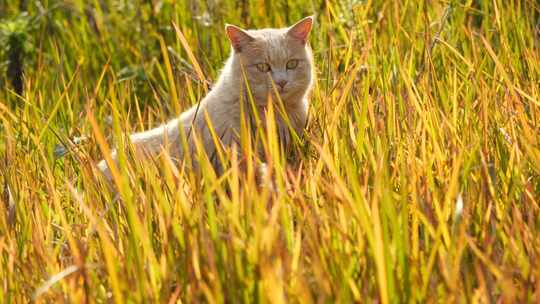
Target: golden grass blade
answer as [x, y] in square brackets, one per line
[170, 76]
[191, 56]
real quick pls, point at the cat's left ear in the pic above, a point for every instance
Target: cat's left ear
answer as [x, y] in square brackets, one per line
[301, 29]
[238, 37]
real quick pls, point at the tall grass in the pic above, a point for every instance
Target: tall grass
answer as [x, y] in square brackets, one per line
[418, 178]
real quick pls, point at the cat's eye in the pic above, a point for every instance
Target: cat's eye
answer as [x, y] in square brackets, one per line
[263, 67]
[292, 64]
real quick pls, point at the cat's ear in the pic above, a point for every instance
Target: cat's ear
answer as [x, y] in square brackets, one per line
[301, 29]
[238, 37]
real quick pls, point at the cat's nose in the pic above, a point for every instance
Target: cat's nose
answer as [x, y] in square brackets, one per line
[281, 83]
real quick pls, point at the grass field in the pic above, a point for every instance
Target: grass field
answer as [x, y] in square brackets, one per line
[418, 179]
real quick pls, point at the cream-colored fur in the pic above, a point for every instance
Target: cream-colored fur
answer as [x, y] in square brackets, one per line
[222, 105]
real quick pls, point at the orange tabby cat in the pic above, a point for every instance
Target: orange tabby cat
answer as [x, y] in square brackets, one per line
[274, 61]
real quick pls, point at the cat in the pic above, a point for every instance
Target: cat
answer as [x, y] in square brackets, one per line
[271, 61]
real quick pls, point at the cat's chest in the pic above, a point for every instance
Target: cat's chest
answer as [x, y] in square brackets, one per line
[284, 121]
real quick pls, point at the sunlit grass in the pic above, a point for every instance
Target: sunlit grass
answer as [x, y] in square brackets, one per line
[417, 179]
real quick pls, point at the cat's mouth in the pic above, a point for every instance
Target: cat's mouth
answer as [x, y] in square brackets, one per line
[282, 93]
[280, 90]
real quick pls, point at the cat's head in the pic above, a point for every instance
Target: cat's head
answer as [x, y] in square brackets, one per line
[274, 57]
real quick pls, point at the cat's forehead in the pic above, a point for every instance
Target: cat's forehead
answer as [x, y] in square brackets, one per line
[268, 33]
[272, 44]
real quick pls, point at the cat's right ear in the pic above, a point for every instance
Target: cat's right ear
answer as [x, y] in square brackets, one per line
[301, 29]
[238, 37]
